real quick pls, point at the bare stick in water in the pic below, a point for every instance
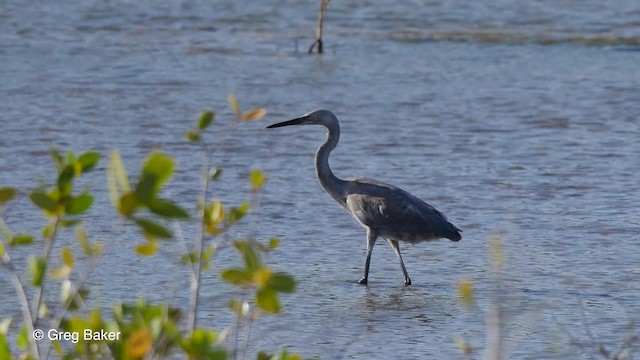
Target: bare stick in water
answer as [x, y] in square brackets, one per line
[323, 8]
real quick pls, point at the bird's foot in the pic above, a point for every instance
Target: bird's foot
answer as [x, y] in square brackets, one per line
[363, 281]
[407, 281]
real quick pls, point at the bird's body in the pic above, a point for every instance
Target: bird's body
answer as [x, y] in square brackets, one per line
[383, 209]
[396, 214]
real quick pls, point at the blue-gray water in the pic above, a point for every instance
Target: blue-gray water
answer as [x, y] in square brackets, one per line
[517, 117]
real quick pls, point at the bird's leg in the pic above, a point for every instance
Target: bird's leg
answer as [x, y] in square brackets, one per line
[396, 248]
[372, 235]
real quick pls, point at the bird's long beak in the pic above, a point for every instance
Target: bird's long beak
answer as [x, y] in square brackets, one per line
[298, 121]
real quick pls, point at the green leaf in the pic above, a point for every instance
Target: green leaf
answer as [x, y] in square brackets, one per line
[257, 179]
[159, 166]
[80, 204]
[215, 173]
[96, 249]
[37, 266]
[465, 291]
[83, 240]
[237, 213]
[5, 351]
[147, 249]
[189, 258]
[209, 252]
[167, 209]
[6, 194]
[58, 160]
[205, 120]
[250, 256]
[236, 276]
[69, 222]
[267, 300]
[47, 230]
[146, 188]
[273, 243]
[202, 345]
[88, 160]
[193, 136]
[216, 213]
[127, 204]
[213, 216]
[154, 229]
[234, 104]
[281, 282]
[117, 180]
[23, 338]
[284, 355]
[43, 201]
[64, 180]
[21, 239]
[67, 256]
[71, 157]
[266, 356]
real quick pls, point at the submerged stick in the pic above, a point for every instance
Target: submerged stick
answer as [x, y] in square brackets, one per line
[323, 8]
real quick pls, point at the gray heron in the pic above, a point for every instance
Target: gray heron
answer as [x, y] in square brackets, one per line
[382, 209]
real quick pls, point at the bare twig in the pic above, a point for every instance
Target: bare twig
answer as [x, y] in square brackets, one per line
[40, 290]
[75, 290]
[245, 346]
[323, 9]
[594, 347]
[24, 302]
[197, 264]
[495, 342]
[237, 329]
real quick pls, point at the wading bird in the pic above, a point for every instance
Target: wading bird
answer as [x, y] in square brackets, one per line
[384, 210]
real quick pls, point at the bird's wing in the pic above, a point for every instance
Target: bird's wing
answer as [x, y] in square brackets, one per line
[380, 205]
[377, 204]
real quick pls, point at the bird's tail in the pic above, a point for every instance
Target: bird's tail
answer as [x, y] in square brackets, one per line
[454, 233]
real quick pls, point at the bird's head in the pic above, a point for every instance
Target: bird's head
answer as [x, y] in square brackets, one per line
[318, 117]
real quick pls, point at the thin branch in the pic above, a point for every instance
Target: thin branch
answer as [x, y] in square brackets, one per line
[245, 347]
[75, 290]
[22, 295]
[197, 264]
[24, 302]
[323, 8]
[237, 329]
[47, 251]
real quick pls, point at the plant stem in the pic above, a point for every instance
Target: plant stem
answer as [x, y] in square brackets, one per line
[75, 291]
[197, 265]
[22, 295]
[246, 339]
[237, 330]
[24, 302]
[40, 290]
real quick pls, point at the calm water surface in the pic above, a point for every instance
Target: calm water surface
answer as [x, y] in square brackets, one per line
[515, 117]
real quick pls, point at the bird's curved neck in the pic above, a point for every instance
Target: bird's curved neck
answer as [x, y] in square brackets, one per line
[329, 182]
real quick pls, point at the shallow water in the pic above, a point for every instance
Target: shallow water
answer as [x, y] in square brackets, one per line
[519, 118]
